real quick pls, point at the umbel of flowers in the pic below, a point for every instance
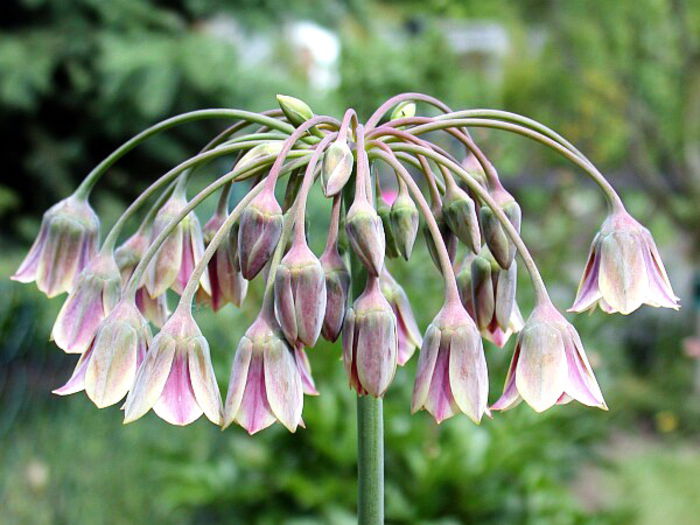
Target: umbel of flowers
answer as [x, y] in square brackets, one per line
[118, 293]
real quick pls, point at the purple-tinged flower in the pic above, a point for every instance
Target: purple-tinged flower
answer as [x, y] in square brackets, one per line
[304, 367]
[549, 365]
[128, 255]
[452, 375]
[66, 243]
[624, 270]
[384, 212]
[370, 342]
[366, 235]
[265, 384]
[227, 282]
[106, 371]
[95, 294]
[500, 335]
[337, 167]
[176, 379]
[259, 232]
[337, 287]
[300, 295]
[176, 258]
[408, 336]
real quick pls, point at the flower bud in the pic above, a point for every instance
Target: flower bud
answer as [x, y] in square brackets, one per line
[95, 294]
[106, 371]
[300, 295]
[254, 154]
[498, 241]
[66, 242]
[464, 284]
[337, 285]
[176, 379]
[483, 296]
[366, 235]
[452, 375]
[370, 346]
[408, 335]
[460, 214]
[405, 109]
[404, 223]
[227, 282]
[472, 166]
[265, 385]
[384, 212]
[177, 256]
[506, 282]
[297, 111]
[259, 233]
[549, 365]
[337, 167]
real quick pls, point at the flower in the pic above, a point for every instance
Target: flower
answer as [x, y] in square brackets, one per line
[106, 371]
[95, 294]
[366, 234]
[624, 270]
[176, 379]
[336, 168]
[265, 384]
[337, 287]
[66, 243]
[408, 335]
[452, 376]
[304, 367]
[404, 222]
[296, 110]
[549, 365]
[300, 295]
[227, 282]
[370, 342]
[459, 211]
[259, 232]
[181, 250]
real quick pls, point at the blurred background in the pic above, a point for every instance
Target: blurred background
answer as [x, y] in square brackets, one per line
[619, 79]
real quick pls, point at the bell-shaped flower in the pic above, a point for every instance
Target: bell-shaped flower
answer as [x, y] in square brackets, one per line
[337, 288]
[181, 250]
[225, 277]
[106, 371]
[408, 336]
[66, 243]
[452, 376]
[370, 342]
[176, 379]
[366, 235]
[300, 294]
[265, 384]
[549, 365]
[95, 293]
[128, 255]
[624, 270]
[259, 232]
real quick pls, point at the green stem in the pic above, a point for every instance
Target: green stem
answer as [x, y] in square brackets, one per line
[86, 186]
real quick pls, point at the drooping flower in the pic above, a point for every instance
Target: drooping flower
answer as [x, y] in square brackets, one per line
[337, 286]
[106, 371]
[227, 282]
[66, 243]
[300, 295]
[404, 222]
[95, 294]
[459, 211]
[366, 234]
[265, 384]
[408, 335]
[498, 241]
[176, 258]
[128, 255]
[337, 167]
[259, 232]
[549, 365]
[370, 342]
[452, 376]
[176, 379]
[624, 270]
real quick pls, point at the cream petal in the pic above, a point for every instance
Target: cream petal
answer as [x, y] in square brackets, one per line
[237, 380]
[283, 385]
[622, 280]
[426, 367]
[468, 375]
[204, 385]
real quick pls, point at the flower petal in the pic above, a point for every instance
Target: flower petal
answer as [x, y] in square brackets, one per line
[204, 385]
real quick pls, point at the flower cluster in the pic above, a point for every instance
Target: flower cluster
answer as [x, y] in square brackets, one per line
[118, 295]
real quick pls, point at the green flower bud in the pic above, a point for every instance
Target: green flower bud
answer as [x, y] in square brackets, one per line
[404, 223]
[255, 153]
[483, 298]
[337, 167]
[297, 111]
[496, 238]
[460, 214]
[405, 109]
[384, 211]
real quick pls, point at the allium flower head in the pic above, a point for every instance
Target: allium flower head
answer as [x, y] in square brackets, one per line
[370, 342]
[227, 282]
[452, 376]
[300, 295]
[259, 232]
[176, 379]
[265, 384]
[408, 335]
[182, 249]
[549, 365]
[624, 270]
[106, 371]
[66, 243]
[95, 294]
